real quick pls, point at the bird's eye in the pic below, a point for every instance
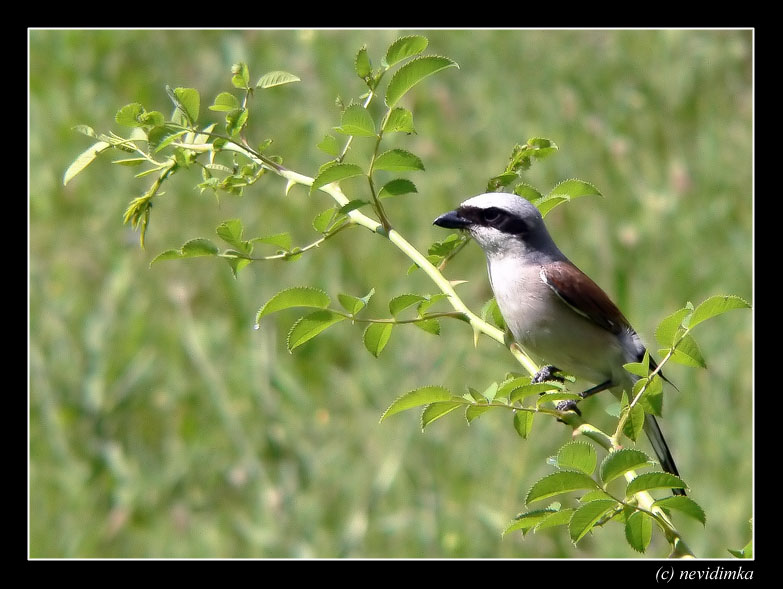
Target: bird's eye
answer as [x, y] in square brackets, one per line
[491, 215]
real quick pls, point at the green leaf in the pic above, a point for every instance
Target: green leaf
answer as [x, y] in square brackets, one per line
[400, 120]
[354, 304]
[84, 159]
[564, 192]
[397, 160]
[429, 325]
[417, 398]
[231, 232]
[225, 102]
[579, 456]
[558, 518]
[523, 422]
[335, 173]
[635, 422]
[437, 410]
[84, 130]
[329, 145]
[684, 504]
[621, 461]
[191, 249]
[405, 47]
[560, 482]
[403, 301]
[530, 389]
[396, 188]
[309, 326]
[235, 120]
[688, 353]
[654, 480]
[128, 115]
[162, 136]
[297, 296]
[376, 336]
[412, 73]
[671, 327]
[362, 64]
[556, 396]
[190, 101]
[356, 121]
[280, 240]
[276, 78]
[527, 192]
[240, 75]
[587, 515]
[529, 520]
[716, 305]
[638, 530]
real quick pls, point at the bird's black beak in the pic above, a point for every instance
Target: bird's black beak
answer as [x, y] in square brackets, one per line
[452, 220]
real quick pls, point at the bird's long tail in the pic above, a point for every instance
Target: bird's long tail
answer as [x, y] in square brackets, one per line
[661, 448]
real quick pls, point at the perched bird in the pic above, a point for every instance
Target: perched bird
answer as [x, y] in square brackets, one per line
[559, 316]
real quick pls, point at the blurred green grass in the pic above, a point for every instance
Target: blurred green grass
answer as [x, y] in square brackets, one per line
[162, 425]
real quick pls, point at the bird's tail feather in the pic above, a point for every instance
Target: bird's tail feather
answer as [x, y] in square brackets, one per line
[661, 448]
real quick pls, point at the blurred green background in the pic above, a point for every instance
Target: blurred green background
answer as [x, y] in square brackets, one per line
[163, 425]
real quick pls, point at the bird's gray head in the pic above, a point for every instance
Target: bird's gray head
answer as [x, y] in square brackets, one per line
[502, 224]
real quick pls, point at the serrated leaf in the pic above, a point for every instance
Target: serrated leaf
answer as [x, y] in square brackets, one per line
[417, 398]
[334, 174]
[429, 325]
[400, 120]
[84, 159]
[128, 115]
[356, 121]
[716, 305]
[474, 411]
[190, 249]
[405, 47]
[523, 423]
[579, 456]
[559, 518]
[654, 480]
[190, 101]
[621, 461]
[529, 389]
[437, 410]
[403, 301]
[638, 530]
[240, 75]
[309, 326]
[687, 353]
[235, 120]
[529, 520]
[361, 64]
[297, 296]
[558, 483]
[587, 515]
[412, 73]
[397, 160]
[162, 136]
[670, 327]
[635, 422]
[329, 145]
[527, 192]
[376, 336]
[396, 187]
[231, 232]
[685, 505]
[280, 240]
[276, 78]
[563, 192]
[225, 102]
[354, 304]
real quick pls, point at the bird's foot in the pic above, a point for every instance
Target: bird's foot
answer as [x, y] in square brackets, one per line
[548, 372]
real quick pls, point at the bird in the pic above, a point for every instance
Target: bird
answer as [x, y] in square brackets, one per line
[558, 315]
